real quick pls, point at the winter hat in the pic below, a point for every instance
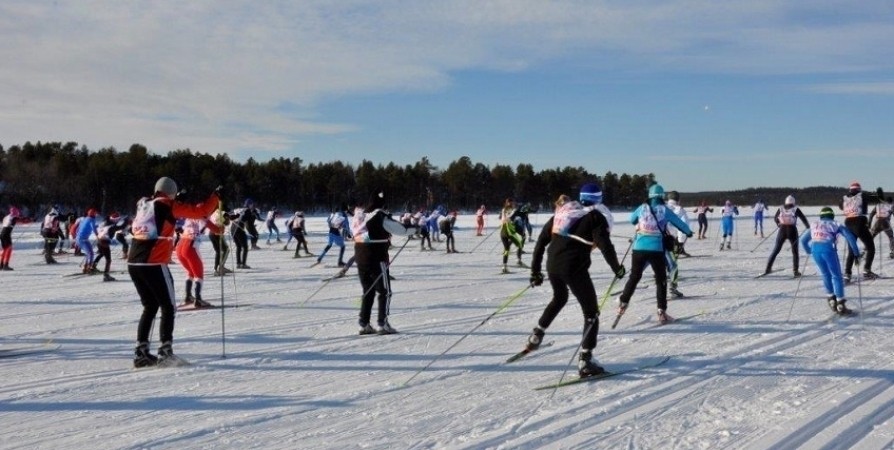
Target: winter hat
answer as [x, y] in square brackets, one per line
[248, 203]
[14, 212]
[827, 213]
[166, 186]
[590, 194]
[728, 203]
[114, 217]
[91, 212]
[790, 200]
[855, 186]
[673, 195]
[377, 200]
[656, 191]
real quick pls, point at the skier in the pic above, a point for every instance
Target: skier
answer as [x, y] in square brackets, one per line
[51, 233]
[445, 224]
[336, 221]
[786, 219]
[855, 204]
[882, 224]
[153, 232]
[121, 235]
[479, 220]
[249, 216]
[650, 220]
[822, 243]
[727, 217]
[87, 227]
[759, 209]
[189, 258]
[270, 222]
[509, 235]
[104, 234]
[672, 255]
[526, 228]
[216, 225]
[9, 221]
[239, 231]
[372, 228]
[702, 210]
[569, 236]
[299, 233]
[424, 235]
[432, 222]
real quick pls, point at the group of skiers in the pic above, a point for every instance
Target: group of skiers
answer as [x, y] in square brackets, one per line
[164, 224]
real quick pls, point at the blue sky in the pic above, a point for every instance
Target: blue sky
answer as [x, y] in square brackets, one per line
[707, 95]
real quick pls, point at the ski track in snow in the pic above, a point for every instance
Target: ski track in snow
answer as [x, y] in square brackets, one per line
[740, 376]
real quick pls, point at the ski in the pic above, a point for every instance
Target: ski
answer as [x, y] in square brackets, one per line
[768, 273]
[192, 307]
[23, 350]
[603, 375]
[526, 352]
[679, 319]
[336, 276]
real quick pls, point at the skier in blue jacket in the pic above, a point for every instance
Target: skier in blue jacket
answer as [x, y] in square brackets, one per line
[822, 243]
[651, 220]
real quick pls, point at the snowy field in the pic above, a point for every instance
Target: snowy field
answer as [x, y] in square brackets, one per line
[762, 367]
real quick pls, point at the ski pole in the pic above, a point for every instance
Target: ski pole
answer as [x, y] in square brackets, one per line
[764, 240]
[505, 305]
[223, 328]
[860, 300]
[614, 279]
[482, 241]
[797, 289]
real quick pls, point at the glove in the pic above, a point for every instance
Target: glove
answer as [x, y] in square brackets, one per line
[689, 235]
[536, 278]
[620, 272]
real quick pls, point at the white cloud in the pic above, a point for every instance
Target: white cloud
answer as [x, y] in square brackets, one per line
[172, 74]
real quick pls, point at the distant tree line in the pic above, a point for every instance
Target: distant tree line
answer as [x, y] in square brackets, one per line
[36, 175]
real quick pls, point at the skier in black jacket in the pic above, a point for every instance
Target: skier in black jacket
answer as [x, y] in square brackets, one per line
[855, 205]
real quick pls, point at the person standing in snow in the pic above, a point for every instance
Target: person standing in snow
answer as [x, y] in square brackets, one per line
[479, 220]
[855, 205]
[672, 255]
[650, 220]
[727, 218]
[51, 233]
[424, 235]
[9, 221]
[822, 243]
[445, 224]
[786, 219]
[87, 227]
[217, 229]
[299, 232]
[509, 235]
[372, 229]
[270, 223]
[570, 235]
[882, 224]
[147, 263]
[759, 209]
[702, 211]
[112, 225]
[337, 222]
[189, 258]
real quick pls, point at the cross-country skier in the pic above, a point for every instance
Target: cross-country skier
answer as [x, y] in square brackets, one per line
[727, 216]
[786, 219]
[526, 228]
[882, 224]
[445, 224]
[575, 230]
[217, 229]
[336, 221]
[110, 226]
[855, 205]
[147, 263]
[9, 221]
[239, 230]
[51, 234]
[673, 254]
[509, 235]
[759, 209]
[121, 235]
[270, 223]
[299, 232]
[372, 228]
[650, 220]
[250, 215]
[87, 227]
[822, 243]
[424, 235]
[479, 220]
[702, 211]
[189, 258]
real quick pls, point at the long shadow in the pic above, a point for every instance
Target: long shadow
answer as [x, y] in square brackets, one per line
[175, 403]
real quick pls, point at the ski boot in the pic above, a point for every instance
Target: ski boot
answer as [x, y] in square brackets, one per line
[386, 328]
[833, 303]
[199, 303]
[869, 275]
[664, 318]
[847, 277]
[535, 339]
[107, 277]
[167, 358]
[729, 245]
[505, 269]
[796, 273]
[842, 309]
[587, 366]
[674, 291]
[366, 329]
[142, 357]
[188, 301]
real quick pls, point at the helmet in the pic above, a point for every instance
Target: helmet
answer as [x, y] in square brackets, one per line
[166, 186]
[673, 195]
[790, 200]
[248, 203]
[14, 212]
[656, 191]
[91, 212]
[827, 213]
[114, 217]
[590, 194]
[855, 186]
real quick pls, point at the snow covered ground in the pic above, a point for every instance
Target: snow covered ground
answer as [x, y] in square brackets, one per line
[761, 367]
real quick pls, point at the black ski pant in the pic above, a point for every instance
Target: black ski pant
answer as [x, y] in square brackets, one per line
[221, 249]
[786, 233]
[241, 241]
[638, 262]
[155, 286]
[859, 226]
[376, 284]
[103, 250]
[580, 285]
[884, 226]
[702, 225]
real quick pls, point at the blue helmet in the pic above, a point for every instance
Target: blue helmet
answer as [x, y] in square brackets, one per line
[590, 194]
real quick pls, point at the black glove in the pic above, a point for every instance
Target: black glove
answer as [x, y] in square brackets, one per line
[689, 234]
[536, 278]
[620, 272]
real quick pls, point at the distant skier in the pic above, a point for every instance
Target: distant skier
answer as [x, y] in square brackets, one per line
[509, 235]
[87, 227]
[727, 219]
[822, 243]
[424, 234]
[702, 211]
[189, 258]
[479, 220]
[299, 232]
[650, 220]
[270, 223]
[9, 221]
[445, 224]
[882, 224]
[51, 233]
[672, 255]
[569, 236]
[105, 232]
[759, 209]
[855, 205]
[786, 219]
[337, 221]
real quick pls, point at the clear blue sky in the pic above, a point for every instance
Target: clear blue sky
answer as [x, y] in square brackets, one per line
[706, 95]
